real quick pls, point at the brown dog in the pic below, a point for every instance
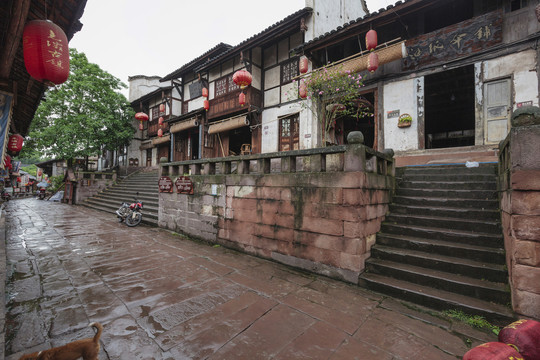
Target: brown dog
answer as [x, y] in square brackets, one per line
[88, 349]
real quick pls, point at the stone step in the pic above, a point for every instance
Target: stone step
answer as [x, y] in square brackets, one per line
[114, 204]
[478, 288]
[446, 212]
[444, 177]
[455, 236]
[447, 185]
[436, 298]
[452, 224]
[464, 251]
[467, 267]
[484, 169]
[449, 194]
[492, 204]
[147, 218]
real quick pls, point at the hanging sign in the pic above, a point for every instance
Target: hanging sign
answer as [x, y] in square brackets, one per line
[184, 185]
[165, 184]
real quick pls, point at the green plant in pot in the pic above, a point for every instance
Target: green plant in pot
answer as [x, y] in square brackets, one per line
[405, 120]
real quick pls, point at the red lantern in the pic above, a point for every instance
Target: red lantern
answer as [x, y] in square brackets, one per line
[141, 116]
[373, 62]
[371, 40]
[303, 65]
[15, 143]
[39, 173]
[242, 78]
[160, 120]
[46, 51]
[160, 133]
[206, 105]
[242, 99]
[303, 90]
[524, 335]
[492, 351]
[204, 92]
[141, 126]
[161, 108]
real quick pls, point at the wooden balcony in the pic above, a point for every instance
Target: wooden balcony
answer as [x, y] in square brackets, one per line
[153, 127]
[228, 104]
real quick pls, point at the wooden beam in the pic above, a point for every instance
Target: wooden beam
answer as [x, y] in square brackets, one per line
[13, 37]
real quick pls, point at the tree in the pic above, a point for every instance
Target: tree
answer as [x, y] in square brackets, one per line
[83, 116]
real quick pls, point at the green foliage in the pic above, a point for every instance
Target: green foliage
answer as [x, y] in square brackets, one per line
[472, 320]
[56, 182]
[82, 116]
[31, 169]
[333, 93]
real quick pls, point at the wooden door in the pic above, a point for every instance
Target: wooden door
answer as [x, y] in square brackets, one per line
[497, 109]
[148, 157]
[289, 133]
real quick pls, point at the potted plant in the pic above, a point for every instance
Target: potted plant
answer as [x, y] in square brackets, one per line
[405, 120]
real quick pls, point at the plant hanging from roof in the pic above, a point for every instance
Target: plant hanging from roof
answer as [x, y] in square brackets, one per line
[331, 94]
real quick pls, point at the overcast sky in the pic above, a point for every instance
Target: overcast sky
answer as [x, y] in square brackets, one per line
[156, 37]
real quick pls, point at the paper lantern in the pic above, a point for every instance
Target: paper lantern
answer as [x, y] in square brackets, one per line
[524, 335]
[492, 351]
[141, 116]
[141, 126]
[373, 62]
[160, 120]
[15, 143]
[7, 162]
[242, 99]
[371, 40]
[303, 90]
[242, 78]
[206, 105]
[46, 51]
[204, 92]
[303, 65]
[161, 108]
[160, 133]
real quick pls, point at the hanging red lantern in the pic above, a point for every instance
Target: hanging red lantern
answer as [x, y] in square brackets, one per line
[141, 116]
[524, 335]
[303, 90]
[160, 133]
[15, 143]
[206, 105]
[303, 65]
[46, 51]
[242, 78]
[160, 120]
[371, 40]
[373, 62]
[492, 351]
[7, 162]
[161, 108]
[242, 99]
[141, 126]
[204, 92]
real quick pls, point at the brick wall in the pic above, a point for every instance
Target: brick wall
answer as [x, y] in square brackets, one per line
[320, 221]
[520, 208]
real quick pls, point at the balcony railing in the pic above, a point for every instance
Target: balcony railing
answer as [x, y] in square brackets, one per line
[229, 104]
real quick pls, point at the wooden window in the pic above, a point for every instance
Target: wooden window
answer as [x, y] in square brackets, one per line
[289, 133]
[289, 70]
[155, 112]
[225, 85]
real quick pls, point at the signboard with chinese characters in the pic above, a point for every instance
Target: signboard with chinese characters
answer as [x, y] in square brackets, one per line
[184, 185]
[165, 184]
[465, 38]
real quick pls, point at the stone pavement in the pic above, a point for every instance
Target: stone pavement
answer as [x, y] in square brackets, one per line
[162, 296]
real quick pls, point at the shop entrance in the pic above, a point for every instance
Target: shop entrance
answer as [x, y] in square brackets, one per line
[449, 115]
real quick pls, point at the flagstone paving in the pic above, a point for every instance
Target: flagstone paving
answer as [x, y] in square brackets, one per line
[159, 295]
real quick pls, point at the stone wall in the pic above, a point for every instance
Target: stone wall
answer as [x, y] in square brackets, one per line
[89, 184]
[520, 208]
[318, 220]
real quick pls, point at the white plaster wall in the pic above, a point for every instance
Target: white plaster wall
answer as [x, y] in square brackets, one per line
[195, 104]
[522, 68]
[256, 75]
[329, 14]
[402, 96]
[270, 126]
[141, 85]
[176, 104]
[271, 97]
[272, 77]
[214, 73]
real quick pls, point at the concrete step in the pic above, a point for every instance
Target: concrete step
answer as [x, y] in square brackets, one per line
[437, 299]
[489, 204]
[459, 284]
[449, 194]
[447, 185]
[458, 224]
[446, 212]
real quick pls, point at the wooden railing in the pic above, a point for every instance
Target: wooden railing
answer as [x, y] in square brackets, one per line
[229, 103]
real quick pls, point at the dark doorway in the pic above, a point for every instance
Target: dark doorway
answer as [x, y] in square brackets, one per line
[449, 117]
[237, 138]
[360, 118]
[194, 141]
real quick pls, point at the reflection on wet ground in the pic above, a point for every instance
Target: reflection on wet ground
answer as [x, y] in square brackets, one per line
[161, 296]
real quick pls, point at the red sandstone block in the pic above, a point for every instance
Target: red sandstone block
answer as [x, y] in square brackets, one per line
[322, 226]
[265, 243]
[285, 221]
[525, 278]
[356, 197]
[285, 235]
[526, 227]
[263, 230]
[269, 206]
[527, 253]
[526, 303]
[526, 180]
[351, 262]
[271, 193]
[243, 192]
[243, 203]
[361, 229]
[286, 208]
[247, 215]
[285, 194]
[525, 202]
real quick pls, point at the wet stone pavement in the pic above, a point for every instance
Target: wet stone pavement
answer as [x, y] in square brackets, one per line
[161, 296]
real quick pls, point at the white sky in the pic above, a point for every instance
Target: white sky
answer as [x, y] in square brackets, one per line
[156, 37]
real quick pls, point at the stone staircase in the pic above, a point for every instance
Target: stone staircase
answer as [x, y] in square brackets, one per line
[441, 245]
[145, 183]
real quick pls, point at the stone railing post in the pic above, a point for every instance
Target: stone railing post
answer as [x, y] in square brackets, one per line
[355, 155]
